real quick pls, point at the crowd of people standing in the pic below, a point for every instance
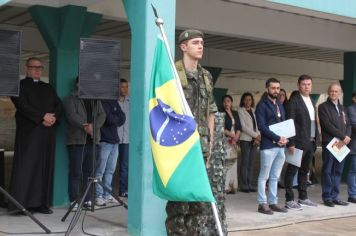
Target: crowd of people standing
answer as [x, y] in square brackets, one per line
[248, 128]
[254, 131]
[38, 111]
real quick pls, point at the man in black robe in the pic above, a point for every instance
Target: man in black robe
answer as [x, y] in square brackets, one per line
[37, 112]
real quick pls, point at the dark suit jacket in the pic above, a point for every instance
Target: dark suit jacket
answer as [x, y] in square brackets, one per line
[332, 124]
[298, 111]
[266, 115]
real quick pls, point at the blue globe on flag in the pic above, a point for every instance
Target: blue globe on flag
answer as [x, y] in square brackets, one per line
[169, 128]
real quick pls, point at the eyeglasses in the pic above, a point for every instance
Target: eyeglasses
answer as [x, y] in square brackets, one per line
[35, 67]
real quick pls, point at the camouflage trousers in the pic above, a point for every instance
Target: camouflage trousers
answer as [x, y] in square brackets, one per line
[186, 218]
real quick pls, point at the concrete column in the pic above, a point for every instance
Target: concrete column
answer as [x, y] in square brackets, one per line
[349, 82]
[315, 97]
[146, 214]
[348, 86]
[217, 92]
[61, 29]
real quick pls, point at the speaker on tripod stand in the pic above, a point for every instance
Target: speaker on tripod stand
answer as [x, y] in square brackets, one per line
[10, 51]
[98, 80]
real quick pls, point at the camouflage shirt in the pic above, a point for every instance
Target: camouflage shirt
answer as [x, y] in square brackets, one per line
[200, 100]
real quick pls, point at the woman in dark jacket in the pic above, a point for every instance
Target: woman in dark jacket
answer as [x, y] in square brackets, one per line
[232, 132]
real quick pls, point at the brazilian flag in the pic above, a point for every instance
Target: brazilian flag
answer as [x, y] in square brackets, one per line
[179, 169]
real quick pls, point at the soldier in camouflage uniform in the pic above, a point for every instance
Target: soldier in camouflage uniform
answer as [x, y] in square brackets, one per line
[187, 218]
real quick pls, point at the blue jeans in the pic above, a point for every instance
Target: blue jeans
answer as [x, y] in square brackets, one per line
[105, 168]
[330, 176]
[272, 161]
[351, 177]
[123, 167]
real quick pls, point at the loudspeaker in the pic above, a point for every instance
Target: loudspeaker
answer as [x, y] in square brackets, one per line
[10, 49]
[99, 63]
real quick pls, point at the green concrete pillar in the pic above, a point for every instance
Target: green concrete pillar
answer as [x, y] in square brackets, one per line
[315, 97]
[146, 214]
[61, 28]
[349, 83]
[215, 72]
[218, 93]
[348, 86]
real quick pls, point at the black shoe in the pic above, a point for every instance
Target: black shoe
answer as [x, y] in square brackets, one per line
[264, 209]
[276, 208]
[329, 203]
[245, 190]
[351, 199]
[340, 202]
[44, 210]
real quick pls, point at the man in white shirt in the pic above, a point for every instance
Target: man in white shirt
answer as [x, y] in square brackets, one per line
[301, 109]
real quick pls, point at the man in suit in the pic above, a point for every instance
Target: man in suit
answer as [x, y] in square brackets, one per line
[270, 111]
[333, 123]
[301, 109]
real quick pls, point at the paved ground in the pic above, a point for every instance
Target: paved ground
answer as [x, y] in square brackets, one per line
[242, 218]
[342, 226]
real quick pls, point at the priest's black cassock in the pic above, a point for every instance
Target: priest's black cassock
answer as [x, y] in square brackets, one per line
[32, 173]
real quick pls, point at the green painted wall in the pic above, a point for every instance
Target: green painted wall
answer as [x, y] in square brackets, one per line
[61, 28]
[146, 214]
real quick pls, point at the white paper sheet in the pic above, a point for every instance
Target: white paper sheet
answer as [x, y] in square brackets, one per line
[284, 129]
[294, 158]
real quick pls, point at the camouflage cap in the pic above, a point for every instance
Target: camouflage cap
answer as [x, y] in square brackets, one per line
[189, 34]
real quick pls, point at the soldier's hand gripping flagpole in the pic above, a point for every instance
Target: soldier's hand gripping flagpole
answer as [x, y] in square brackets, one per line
[187, 111]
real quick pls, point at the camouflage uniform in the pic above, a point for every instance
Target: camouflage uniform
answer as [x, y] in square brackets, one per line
[187, 218]
[217, 175]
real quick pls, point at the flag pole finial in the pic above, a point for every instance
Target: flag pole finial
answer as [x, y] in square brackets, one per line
[159, 22]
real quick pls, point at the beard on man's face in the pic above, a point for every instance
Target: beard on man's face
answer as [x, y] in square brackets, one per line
[273, 95]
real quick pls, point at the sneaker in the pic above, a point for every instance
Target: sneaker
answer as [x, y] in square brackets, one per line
[100, 201]
[75, 206]
[125, 195]
[276, 208]
[264, 209]
[293, 205]
[307, 202]
[111, 200]
[87, 204]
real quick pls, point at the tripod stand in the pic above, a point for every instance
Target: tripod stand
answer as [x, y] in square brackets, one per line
[92, 180]
[22, 209]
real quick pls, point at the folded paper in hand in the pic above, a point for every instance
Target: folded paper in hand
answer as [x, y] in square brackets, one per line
[338, 153]
[284, 129]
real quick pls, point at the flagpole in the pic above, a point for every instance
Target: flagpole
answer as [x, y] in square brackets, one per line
[186, 109]
[217, 220]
